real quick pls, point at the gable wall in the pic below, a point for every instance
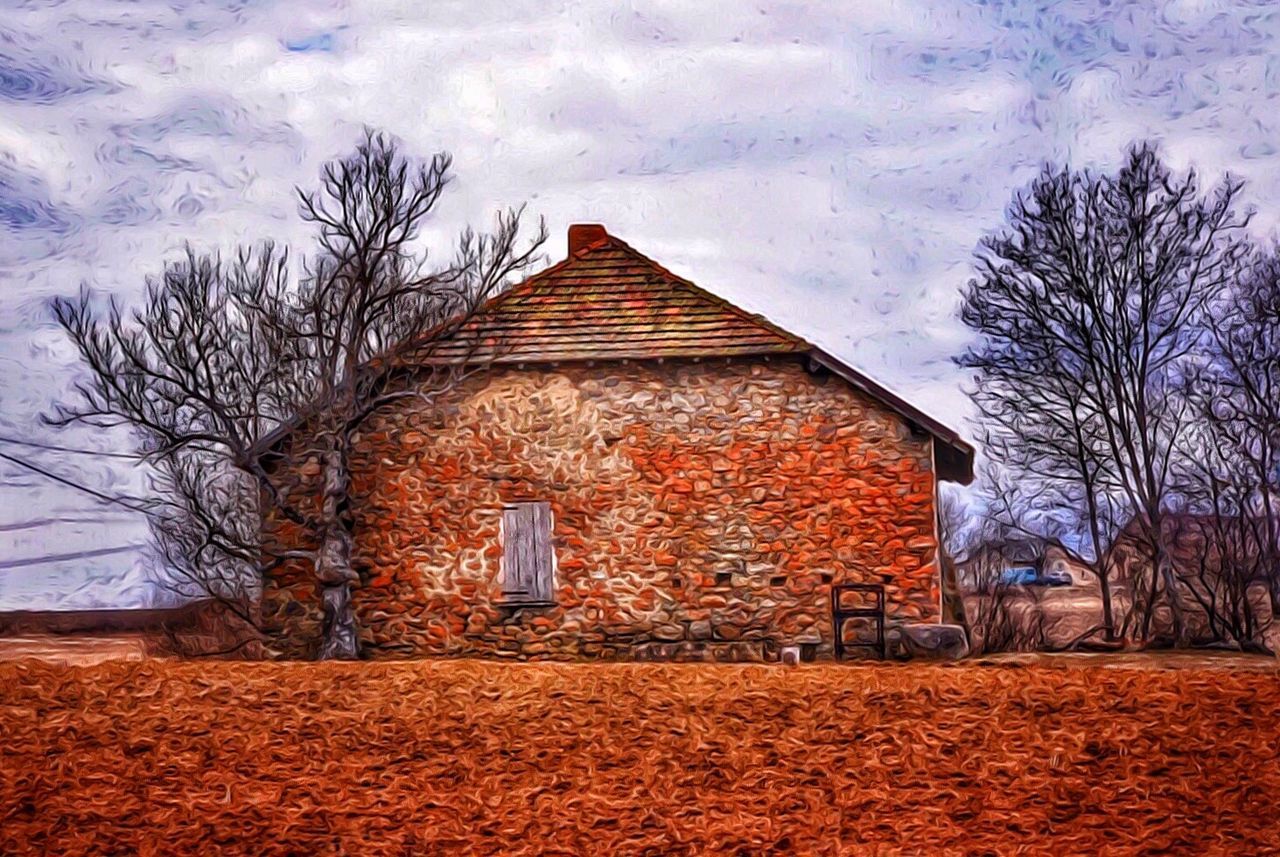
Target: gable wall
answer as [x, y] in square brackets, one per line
[692, 502]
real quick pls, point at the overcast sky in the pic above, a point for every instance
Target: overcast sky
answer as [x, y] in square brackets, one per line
[831, 168]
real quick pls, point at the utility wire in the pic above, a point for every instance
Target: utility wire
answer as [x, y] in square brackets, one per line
[64, 557]
[56, 448]
[56, 478]
[46, 522]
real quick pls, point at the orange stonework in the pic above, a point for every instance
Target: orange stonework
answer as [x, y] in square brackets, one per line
[699, 507]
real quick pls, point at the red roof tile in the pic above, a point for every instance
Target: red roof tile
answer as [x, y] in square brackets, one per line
[608, 301]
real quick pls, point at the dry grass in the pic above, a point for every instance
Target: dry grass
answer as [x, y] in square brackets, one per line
[75, 649]
[168, 757]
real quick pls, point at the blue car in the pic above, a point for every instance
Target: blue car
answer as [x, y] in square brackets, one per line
[1021, 575]
[1057, 578]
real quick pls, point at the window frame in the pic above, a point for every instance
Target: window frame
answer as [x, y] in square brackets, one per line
[543, 575]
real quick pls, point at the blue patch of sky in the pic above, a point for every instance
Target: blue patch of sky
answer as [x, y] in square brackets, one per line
[193, 117]
[314, 43]
[25, 206]
[129, 203]
[26, 78]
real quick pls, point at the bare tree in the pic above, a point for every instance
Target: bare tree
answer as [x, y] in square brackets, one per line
[364, 310]
[1087, 305]
[1227, 474]
[227, 363]
[197, 373]
[1240, 399]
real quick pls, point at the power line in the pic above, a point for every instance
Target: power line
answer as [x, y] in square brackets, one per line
[56, 448]
[64, 557]
[56, 478]
[46, 522]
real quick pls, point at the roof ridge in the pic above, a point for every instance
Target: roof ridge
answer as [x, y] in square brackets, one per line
[712, 297]
[530, 283]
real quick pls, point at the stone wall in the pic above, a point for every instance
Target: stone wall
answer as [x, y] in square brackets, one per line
[698, 508]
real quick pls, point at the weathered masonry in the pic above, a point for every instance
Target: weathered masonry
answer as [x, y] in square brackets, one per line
[645, 471]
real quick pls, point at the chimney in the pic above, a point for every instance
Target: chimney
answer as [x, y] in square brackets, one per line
[583, 235]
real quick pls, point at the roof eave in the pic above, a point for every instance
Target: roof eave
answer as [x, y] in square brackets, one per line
[953, 454]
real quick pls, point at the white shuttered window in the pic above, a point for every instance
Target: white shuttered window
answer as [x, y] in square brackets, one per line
[528, 563]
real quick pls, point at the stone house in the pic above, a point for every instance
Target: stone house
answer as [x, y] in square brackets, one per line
[644, 471]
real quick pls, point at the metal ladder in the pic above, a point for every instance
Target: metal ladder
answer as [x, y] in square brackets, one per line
[839, 614]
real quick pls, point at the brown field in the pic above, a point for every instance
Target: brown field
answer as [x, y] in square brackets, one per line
[170, 757]
[75, 649]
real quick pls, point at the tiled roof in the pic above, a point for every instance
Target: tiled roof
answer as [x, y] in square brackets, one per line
[607, 301]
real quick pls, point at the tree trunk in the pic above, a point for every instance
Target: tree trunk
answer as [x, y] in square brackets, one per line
[1162, 572]
[1165, 571]
[340, 637]
[1153, 594]
[333, 569]
[1270, 555]
[1108, 616]
[1164, 567]
[1101, 561]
